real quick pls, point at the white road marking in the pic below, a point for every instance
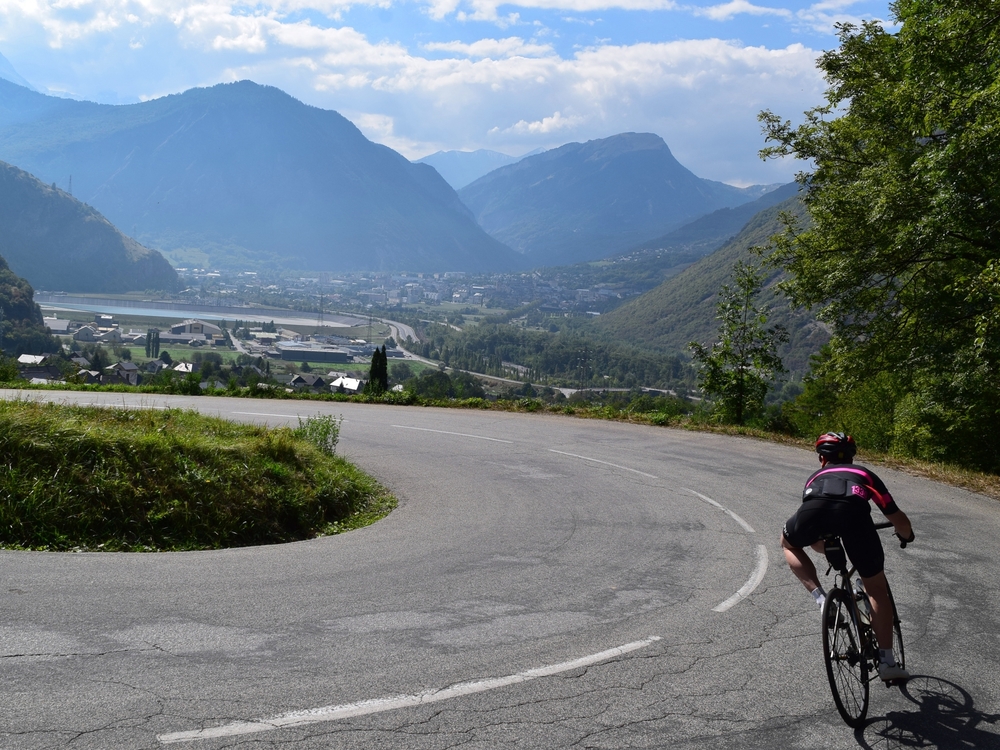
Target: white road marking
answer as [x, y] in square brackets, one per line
[749, 586]
[606, 463]
[379, 705]
[264, 414]
[725, 510]
[458, 434]
[758, 574]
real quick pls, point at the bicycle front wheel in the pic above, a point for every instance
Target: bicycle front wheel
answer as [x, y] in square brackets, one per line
[846, 663]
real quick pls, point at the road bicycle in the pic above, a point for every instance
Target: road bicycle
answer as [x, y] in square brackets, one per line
[849, 646]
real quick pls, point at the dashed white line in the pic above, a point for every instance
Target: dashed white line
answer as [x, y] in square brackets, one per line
[458, 434]
[750, 585]
[379, 705]
[725, 510]
[606, 463]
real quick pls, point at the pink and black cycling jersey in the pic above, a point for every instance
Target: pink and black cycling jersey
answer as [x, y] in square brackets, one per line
[848, 482]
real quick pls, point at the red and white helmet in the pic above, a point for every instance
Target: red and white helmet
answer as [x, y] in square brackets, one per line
[836, 447]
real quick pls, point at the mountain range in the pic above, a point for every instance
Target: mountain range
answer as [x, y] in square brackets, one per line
[8, 73]
[586, 201]
[56, 242]
[242, 174]
[460, 168]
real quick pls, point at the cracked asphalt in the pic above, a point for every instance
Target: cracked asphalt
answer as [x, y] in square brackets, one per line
[521, 541]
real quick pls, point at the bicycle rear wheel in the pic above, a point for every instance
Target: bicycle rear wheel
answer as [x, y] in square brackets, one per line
[846, 664]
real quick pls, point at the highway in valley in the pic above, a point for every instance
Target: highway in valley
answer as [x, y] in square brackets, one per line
[546, 582]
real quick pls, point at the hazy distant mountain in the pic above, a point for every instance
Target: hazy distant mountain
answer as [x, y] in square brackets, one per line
[683, 308]
[8, 73]
[460, 168]
[708, 232]
[241, 173]
[585, 201]
[57, 242]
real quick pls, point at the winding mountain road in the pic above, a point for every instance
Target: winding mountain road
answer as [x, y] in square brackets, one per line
[546, 582]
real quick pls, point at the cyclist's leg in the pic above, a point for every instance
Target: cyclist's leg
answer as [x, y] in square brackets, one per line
[801, 564]
[802, 530]
[882, 614]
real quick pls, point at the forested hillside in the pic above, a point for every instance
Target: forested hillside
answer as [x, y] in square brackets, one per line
[682, 309]
[58, 243]
[22, 330]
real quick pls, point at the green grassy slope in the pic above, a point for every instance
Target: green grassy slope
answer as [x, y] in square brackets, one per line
[682, 309]
[122, 479]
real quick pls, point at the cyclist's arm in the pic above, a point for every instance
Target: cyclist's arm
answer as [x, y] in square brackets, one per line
[900, 524]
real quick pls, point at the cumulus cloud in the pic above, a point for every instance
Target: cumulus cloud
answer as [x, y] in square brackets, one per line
[510, 94]
[542, 127]
[726, 11]
[509, 47]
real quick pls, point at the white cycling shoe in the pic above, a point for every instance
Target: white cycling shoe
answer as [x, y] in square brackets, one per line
[891, 672]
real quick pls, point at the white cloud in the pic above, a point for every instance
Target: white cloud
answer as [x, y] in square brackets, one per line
[544, 126]
[509, 47]
[727, 10]
[509, 94]
[822, 17]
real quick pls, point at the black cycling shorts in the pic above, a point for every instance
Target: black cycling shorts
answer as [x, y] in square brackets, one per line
[849, 519]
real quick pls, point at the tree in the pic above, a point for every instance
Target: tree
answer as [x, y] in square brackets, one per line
[378, 374]
[401, 372]
[739, 367]
[902, 254]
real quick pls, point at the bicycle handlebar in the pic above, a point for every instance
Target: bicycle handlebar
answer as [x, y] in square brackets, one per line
[902, 542]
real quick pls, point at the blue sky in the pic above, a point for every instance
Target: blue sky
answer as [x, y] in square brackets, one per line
[428, 75]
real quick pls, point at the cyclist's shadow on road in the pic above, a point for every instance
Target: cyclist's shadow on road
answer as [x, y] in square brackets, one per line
[943, 716]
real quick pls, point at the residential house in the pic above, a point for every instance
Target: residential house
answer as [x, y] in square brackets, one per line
[126, 373]
[347, 385]
[307, 380]
[92, 334]
[41, 373]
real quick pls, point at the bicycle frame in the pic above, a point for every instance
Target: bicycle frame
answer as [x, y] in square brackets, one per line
[850, 648]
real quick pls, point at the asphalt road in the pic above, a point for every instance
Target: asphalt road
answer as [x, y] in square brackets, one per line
[545, 583]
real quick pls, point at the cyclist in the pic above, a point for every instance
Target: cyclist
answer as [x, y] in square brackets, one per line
[835, 501]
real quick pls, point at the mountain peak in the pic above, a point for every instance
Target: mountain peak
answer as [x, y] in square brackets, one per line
[584, 201]
[8, 73]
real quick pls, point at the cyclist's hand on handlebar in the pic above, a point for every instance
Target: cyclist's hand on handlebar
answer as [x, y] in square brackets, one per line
[903, 542]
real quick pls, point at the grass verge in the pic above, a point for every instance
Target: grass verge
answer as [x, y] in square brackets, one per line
[79, 478]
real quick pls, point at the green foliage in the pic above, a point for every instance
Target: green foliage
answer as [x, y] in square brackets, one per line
[737, 370]
[438, 385]
[904, 194]
[400, 372]
[322, 430]
[142, 480]
[565, 356]
[22, 330]
[378, 374]
[9, 372]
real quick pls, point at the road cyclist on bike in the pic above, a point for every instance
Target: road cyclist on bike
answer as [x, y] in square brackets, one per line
[835, 501]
